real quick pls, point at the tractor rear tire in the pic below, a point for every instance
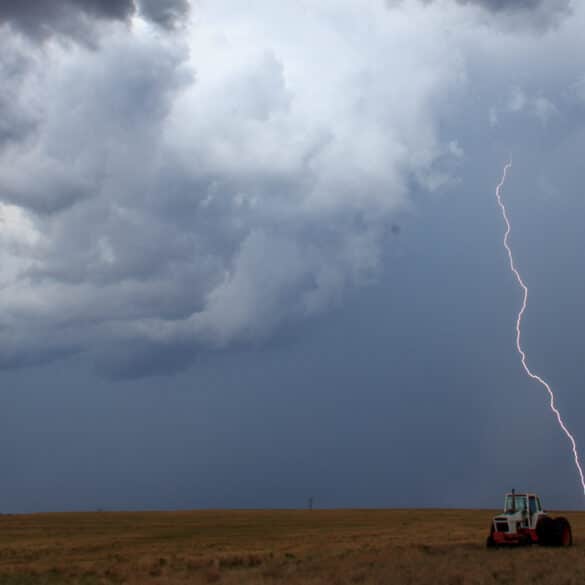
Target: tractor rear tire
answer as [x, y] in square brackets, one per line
[545, 531]
[562, 534]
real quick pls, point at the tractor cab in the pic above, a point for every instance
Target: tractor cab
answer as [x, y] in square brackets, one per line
[520, 511]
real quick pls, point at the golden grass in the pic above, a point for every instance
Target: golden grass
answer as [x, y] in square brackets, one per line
[341, 547]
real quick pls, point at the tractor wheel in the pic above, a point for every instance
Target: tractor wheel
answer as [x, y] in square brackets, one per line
[563, 535]
[545, 530]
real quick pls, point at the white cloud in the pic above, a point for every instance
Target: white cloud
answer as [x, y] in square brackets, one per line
[518, 102]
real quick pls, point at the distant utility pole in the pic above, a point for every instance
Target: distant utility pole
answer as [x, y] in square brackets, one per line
[310, 503]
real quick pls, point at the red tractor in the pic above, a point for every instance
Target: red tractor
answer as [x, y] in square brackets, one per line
[525, 522]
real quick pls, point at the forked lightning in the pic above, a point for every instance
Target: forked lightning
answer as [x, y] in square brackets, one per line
[524, 288]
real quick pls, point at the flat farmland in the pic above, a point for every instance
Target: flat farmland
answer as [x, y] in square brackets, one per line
[269, 547]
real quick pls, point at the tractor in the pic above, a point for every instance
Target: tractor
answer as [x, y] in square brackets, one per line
[524, 522]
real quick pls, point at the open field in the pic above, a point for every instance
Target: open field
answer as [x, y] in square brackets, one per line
[269, 547]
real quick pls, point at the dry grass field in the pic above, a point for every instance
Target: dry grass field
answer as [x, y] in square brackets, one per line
[275, 547]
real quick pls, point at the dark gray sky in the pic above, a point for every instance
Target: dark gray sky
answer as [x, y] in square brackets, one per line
[202, 299]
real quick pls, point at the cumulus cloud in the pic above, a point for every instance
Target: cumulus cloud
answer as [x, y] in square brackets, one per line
[519, 102]
[163, 195]
[200, 191]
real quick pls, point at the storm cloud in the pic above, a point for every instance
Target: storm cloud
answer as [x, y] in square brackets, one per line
[173, 194]
[168, 201]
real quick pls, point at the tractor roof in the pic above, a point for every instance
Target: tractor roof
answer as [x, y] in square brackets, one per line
[522, 494]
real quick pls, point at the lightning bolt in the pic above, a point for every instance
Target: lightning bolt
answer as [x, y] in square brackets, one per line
[524, 288]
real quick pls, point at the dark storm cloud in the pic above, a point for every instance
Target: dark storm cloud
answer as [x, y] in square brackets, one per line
[42, 18]
[167, 13]
[158, 212]
[538, 13]
[148, 218]
[73, 18]
[152, 215]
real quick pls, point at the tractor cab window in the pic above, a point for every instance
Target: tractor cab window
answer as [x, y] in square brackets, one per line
[515, 503]
[532, 505]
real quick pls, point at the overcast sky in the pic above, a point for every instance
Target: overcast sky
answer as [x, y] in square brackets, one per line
[251, 253]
